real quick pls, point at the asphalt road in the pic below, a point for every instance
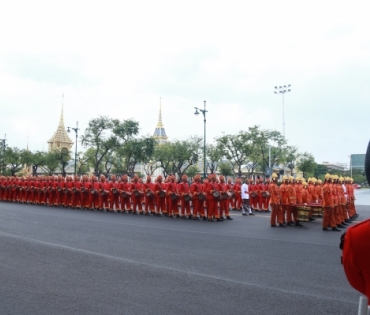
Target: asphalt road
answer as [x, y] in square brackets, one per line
[64, 261]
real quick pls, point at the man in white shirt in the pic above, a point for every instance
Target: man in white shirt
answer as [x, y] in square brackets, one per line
[245, 198]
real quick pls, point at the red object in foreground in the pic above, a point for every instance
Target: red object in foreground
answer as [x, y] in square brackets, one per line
[356, 257]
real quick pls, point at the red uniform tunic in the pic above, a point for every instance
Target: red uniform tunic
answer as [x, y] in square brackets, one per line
[172, 204]
[356, 257]
[114, 198]
[149, 200]
[284, 197]
[124, 188]
[76, 195]
[276, 214]
[160, 200]
[327, 203]
[198, 205]
[183, 188]
[94, 195]
[212, 208]
[104, 203]
[136, 200]
[85, 194]
[224, 202]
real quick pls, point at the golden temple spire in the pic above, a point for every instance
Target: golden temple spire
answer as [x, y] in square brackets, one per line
[159, 132]
[160, 124]
[60, 138]
[61, 121]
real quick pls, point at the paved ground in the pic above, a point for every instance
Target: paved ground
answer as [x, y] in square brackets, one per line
[63, 261]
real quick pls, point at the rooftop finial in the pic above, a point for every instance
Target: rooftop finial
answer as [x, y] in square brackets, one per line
[61, 121]
[160, 124]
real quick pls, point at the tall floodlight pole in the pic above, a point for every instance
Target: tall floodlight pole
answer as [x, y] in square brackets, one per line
[282, 90]
[203, 111]
[76, 131]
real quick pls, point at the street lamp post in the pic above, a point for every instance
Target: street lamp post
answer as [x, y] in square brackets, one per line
[3, 159]
[282, 90]
[76, 131]
[203, 111]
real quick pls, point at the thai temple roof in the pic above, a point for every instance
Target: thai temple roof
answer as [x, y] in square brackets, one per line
[159, 132]
[60, 139]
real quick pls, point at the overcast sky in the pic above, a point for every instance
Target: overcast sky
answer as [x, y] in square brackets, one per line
[117, 58]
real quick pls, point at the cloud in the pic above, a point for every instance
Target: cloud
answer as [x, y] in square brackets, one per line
[49, 68]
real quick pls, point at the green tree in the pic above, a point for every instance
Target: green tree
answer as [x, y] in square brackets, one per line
[238, 148]
[320, 171]
[13, 159]
[269, 145]
[192, 171]
[83, 162]
[306, 164]
[225, 169]
[177, 156]
[186, 154]
[38, 159]
[51, 162]
[104, 135]
[133, 152]
[290, 156]
[214, 156]
[164, 155]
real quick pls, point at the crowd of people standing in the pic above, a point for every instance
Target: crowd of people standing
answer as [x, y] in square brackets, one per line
[210, 199]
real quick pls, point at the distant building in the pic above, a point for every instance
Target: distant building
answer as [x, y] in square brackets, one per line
[341, 167]
[161, 137]
[160, 132]
[358, 161]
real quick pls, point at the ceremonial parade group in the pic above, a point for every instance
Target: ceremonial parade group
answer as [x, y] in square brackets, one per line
[292, 202]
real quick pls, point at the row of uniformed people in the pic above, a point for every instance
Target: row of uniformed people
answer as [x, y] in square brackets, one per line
[168, 198]
[335, 196]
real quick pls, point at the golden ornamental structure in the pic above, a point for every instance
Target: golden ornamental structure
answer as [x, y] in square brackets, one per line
[60, 140]
[159, 132]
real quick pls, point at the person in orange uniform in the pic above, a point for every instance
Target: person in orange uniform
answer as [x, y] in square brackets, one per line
[356, 256]
[124, 189]
[238, 195]
[265, 195]
[298, 190]
[136, 193]
[230, 187]
[94, 194]
[184, 189]
[304, 194]
[328, 205]
[68, 192]
[341, 201]
[172, 208]
[273, 190]
[212, 210]
[196, 188]
[104, 194]
[149, 196]
[222, 188]
[261, 189]
[114, 204]
[204, 187]
[351, 199]
[284, 198]
[160, 194]
[85, 188]
[292, 203]
[76, 193]
[60, 187]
